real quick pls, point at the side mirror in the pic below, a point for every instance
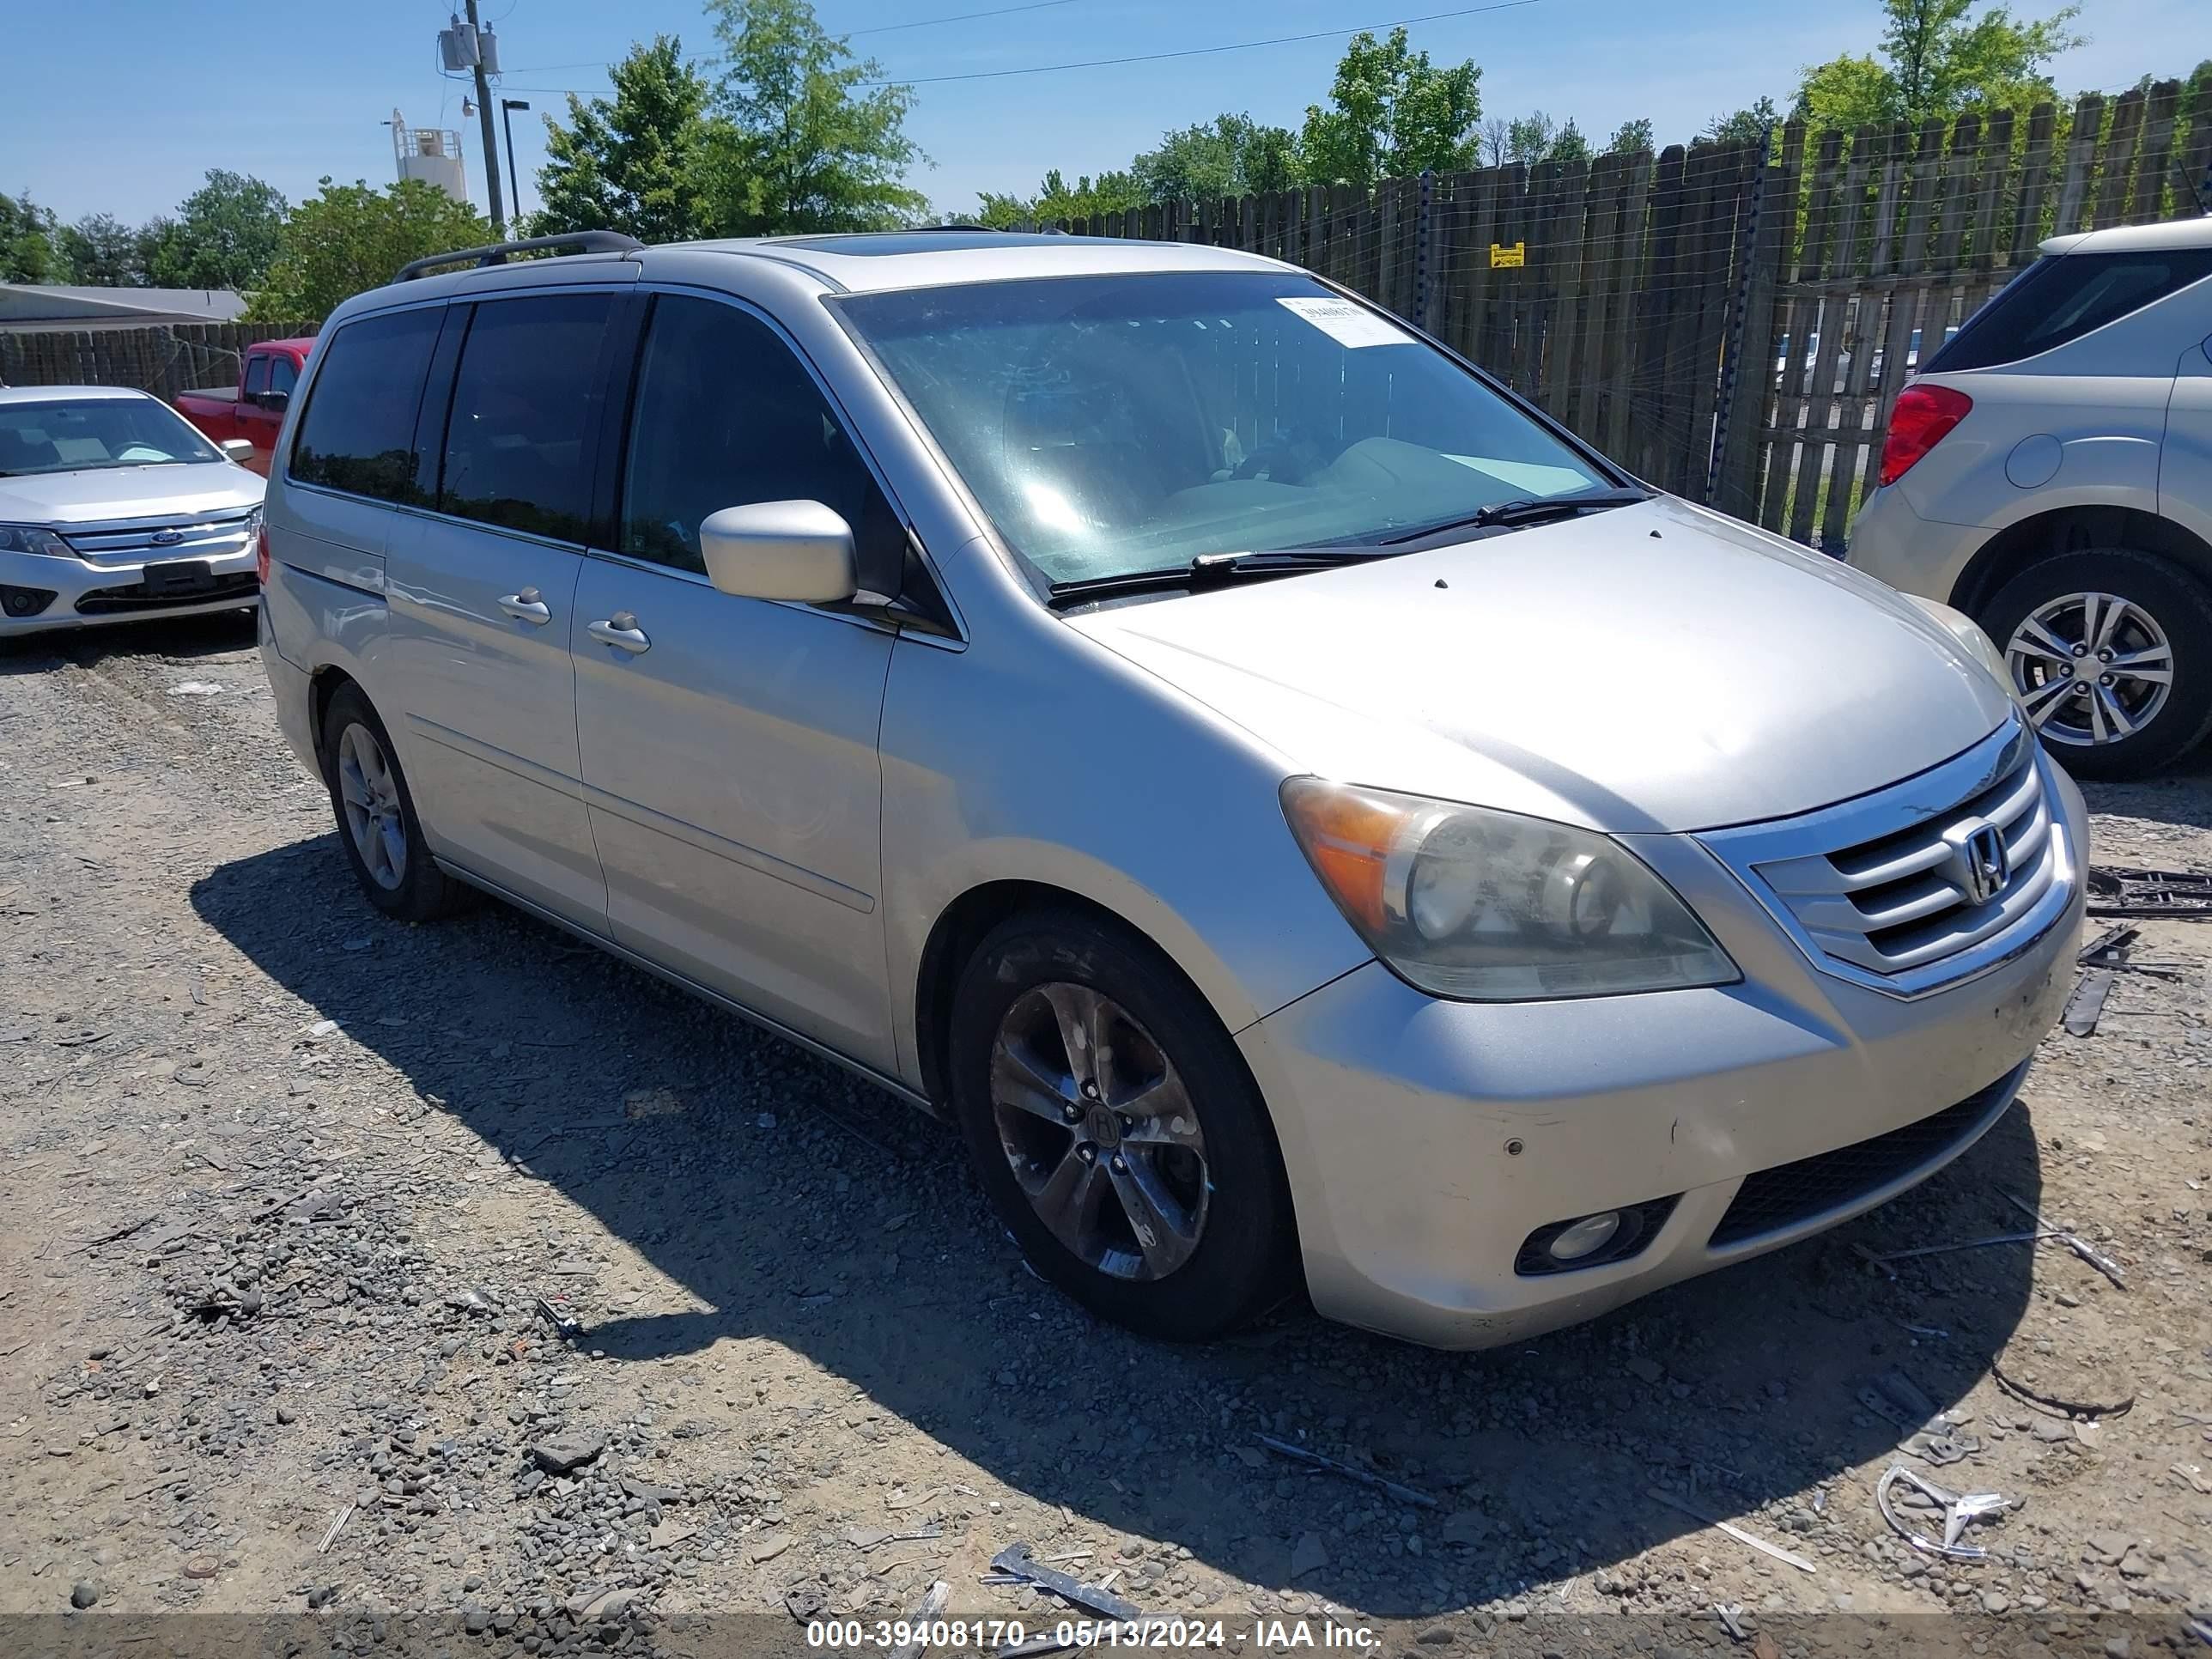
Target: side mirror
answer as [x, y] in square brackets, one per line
[799, 551]
[237, 449]
[273, 400]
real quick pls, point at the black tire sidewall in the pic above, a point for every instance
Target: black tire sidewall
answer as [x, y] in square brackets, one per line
[424, 891]
[1245, 1262]
[2182, 608]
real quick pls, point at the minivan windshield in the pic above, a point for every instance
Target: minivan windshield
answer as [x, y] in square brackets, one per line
[1133, 422]
[89, 433]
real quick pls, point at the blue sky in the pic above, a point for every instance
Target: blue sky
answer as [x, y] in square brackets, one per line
[146, 94]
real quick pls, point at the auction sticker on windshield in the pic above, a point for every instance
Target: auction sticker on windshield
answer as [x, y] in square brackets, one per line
[1346, 323]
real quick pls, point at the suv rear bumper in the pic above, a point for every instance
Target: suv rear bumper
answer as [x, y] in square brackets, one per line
[1891, 542]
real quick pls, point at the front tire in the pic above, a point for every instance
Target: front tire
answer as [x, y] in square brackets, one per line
[2110, 651]
[1116, 1130]
[375, 813]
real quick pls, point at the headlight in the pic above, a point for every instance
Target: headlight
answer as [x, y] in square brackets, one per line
[1493, 907]
[1968, 633]
[33, 539]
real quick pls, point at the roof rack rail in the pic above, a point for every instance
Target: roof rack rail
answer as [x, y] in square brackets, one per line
[584, 241]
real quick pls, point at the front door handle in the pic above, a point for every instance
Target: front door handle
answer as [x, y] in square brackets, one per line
[621, 631]
[527, 607]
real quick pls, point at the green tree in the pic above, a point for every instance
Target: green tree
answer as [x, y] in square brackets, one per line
[633, 163]
[805, 142]
[29, 242]
[1392, 113]
[1747, 126]
[1568, 144]
[1056, 200]
[1229, 155]
[1630, 138]
[102, 252]
[1935, 60]
[1528, 137]
[351, 238]
[224, 235]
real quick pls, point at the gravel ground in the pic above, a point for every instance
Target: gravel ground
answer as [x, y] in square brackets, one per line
[284, 1182]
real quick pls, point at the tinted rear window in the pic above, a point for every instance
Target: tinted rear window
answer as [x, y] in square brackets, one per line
[2061, 297]
[525, 405]
[357, 433]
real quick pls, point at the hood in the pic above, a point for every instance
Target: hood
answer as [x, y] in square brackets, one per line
[127, 492]
[1655, 667]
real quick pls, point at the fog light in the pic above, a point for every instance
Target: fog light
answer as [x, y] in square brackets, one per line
[25, 601]
[1585, 1237]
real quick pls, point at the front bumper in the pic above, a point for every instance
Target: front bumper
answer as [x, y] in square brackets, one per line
[88, 594]
[1426, 1140]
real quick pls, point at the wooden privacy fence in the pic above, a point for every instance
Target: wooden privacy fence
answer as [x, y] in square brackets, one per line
[163, 359]
[1732, 323]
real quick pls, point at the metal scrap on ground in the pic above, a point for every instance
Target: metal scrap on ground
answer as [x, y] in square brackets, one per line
[1016, 1561]
[2074, 1242]
[2054, 1406]
[931, 1606]
[1959, 1508]
[2169, 894]
[1734, 1531]
[1350, 1471]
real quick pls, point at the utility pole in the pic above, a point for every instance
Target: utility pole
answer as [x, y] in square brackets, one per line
[507, 108]
[490, 137]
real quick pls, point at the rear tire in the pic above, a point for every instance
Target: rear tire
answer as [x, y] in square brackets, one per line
[1115, 1126]
[375, 813]
[2142, 613]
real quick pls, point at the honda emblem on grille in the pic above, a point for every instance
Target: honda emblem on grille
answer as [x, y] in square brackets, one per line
[1985, 864]
[167, 538]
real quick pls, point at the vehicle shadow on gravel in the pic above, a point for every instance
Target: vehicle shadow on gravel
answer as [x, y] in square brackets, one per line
[180, 639]
[788, 1201]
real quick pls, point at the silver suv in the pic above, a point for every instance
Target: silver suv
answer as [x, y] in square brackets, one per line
[2051, 474]
[1300, 812]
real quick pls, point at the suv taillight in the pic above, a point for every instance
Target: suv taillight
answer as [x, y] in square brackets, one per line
[261, 553]
[1922, 415]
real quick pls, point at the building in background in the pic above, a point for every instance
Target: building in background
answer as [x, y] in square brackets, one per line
[430, 153]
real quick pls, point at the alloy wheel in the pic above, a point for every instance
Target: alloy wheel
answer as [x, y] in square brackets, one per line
[1101, 1133]
[2090, 668]
[369, 791]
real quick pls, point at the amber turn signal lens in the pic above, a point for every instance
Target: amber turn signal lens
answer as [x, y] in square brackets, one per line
[1348, 836]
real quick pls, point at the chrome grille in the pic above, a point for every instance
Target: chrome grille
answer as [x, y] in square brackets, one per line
[134, 541]
[1905, 889]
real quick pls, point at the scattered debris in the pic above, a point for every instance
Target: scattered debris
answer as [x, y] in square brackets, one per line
[2086, 1005]
[196, 688]
[569, 1328]
[1731, 1618]
[559, 1454]
[1959, 1508]
[1660, 1495]
[84, 1593]
[2169, 894]
[1016, 1561]
[1883, 1258]
[336, 1527]
[1300, 1454]
[2051, 1405]
[2074, 1242]
[931, 1606]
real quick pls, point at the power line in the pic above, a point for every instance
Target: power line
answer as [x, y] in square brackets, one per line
[879, 28]
[1195, 51]
[959, 17]
[1109, 62]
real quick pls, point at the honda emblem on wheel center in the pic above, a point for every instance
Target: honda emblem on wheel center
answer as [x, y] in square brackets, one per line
[1987, 864]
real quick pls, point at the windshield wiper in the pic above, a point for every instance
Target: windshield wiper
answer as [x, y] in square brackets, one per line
[1212, 569]
[1524, 510]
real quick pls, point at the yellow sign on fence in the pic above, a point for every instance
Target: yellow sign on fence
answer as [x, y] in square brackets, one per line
[1512, 257]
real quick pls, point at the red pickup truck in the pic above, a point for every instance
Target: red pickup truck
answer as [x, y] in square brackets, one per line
[253, 409]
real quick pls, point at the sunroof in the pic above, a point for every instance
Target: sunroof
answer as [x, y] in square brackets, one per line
[948, 241]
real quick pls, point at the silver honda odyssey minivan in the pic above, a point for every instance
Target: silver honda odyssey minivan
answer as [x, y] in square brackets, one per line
[1310, 820]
